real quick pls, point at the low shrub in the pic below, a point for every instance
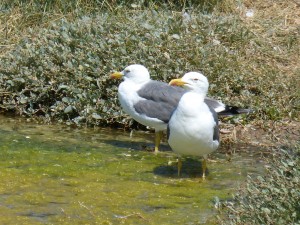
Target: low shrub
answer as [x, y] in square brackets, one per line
[60, 72]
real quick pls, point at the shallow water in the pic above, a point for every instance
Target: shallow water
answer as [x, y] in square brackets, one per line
[53, 174]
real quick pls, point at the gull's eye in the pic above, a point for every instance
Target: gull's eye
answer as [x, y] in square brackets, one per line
[127, 70]
[195, 79]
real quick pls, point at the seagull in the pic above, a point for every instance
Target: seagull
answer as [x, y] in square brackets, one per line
[193, 126]
[151, 102]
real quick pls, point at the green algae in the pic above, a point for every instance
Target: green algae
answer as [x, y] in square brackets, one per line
[58, 175]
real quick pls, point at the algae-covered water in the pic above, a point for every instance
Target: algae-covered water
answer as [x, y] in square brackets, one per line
[53, 174]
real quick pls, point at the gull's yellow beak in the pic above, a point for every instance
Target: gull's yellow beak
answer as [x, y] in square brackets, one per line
[116, 75]
[177, 82]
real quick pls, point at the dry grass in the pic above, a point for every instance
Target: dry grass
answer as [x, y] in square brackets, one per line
[15, 24]
[278, 23]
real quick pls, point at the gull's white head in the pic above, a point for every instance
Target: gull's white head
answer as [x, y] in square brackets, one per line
[193, 81]
[135, 73]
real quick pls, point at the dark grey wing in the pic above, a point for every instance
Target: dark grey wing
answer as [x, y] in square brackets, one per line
[216, 136]
[160, 100]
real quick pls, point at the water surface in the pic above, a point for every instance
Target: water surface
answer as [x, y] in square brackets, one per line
[54, 174]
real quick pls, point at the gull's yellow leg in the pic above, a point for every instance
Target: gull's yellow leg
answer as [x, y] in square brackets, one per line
[158, 137]
[179, 166]
[203, 168]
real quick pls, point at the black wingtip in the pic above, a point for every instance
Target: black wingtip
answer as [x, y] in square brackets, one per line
[234, 110]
